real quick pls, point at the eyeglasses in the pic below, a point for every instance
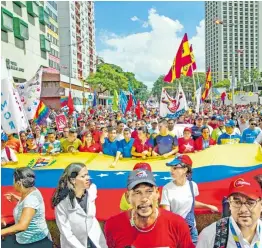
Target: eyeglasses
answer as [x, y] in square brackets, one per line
[250, 204]
[253, 124]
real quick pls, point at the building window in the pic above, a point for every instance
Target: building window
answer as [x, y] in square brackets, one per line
[7, 20]
[19, 43]
[43, 54]
[17, 9]
[31, 19]
[20, 29]
[3, 2]
[4, 36]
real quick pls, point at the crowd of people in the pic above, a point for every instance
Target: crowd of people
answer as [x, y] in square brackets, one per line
[149, 217]
[120, 136]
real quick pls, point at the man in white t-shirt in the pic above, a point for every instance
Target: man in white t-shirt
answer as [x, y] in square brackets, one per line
[7, 154]
[243, 228]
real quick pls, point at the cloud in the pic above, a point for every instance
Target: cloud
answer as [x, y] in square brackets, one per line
[134, 18]
[149, 54]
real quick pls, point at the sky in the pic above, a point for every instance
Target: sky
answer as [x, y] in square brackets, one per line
[143, 37]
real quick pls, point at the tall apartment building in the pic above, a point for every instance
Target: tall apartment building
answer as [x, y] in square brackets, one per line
[24, 42]
[52, 34]
[77, 38]
[244, 18]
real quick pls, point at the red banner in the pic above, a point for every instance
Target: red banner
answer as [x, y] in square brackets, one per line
[60, 122]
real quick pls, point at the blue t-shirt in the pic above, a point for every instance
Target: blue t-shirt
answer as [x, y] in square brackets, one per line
[166, 143]
[125, 147]
[249, 135]
[37, 229]
[225, 139]
[110, 148]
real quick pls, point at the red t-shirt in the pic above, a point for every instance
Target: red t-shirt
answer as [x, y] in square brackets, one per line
[170, 231]
[141, 147]
[134, 134]
[186, 146]
[96, 136]
[95, 148]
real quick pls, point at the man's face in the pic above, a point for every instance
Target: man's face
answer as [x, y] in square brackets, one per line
[154, 125]
[121, 127]
[138, 124]
[162, 127]
[199, 122]
[242, 119]
[252, 124]
[92, 126]
[245, 215]
[81, 124]
[51, 137]
[230, 130]
[143, 199]
[23, 136]
[171, 125]
[205, 133]
[221, 123]
[66, 132]
[205, 121]
[112, 135]
[72, 137]
[127, 135]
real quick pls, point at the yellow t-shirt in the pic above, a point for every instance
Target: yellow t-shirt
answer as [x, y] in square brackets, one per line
[124, 205]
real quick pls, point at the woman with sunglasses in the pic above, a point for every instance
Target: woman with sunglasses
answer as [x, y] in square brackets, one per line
[89, 144]
[251, 133]
[75, 209]
[30, 226]
[178, 196]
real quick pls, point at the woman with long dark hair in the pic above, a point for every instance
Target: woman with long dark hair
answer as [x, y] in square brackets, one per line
[30, 226]
[75, 210]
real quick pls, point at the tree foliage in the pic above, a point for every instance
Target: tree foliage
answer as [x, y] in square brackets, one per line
[223, 84]
[112, 77]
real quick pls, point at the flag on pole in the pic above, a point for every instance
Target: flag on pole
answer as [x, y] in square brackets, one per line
[138, 110]
[129, 104]
[30, 92]
[94, 100]
[70, 104]
[208, 85]
[198, 99]
[41, 113]
[182, 58]
[170, 107]
[131, 92]
[187, 70]
[63, 101]
[115, 101]
[123, 101]
[13, 118]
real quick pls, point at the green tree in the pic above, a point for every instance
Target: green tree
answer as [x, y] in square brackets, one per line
[107, 77]
[223, 84]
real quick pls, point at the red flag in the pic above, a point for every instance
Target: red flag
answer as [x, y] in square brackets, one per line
[183, 58]
[208, 85]
[70, 104]
[138, 110]
[129, 103]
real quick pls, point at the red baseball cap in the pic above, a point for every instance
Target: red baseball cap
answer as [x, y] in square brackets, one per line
[187, 129]
[247, 187]
[142, 166]
[185, 159]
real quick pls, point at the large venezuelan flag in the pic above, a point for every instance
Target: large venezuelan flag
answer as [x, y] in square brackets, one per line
[213, 170]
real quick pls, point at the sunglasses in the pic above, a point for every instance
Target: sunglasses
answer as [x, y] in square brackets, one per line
[253, 124]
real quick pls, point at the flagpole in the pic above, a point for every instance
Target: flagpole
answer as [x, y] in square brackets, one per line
[194, 84]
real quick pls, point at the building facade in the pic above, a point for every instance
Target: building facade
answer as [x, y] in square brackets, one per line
[24, 42]
[243, 19]
[52, 34]
[77, 38]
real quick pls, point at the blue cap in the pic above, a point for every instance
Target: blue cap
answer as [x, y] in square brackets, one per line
[30, 136]
[4, 136]
[230, 123]
[220, 118]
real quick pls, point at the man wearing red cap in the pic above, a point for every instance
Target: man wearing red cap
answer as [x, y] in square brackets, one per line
[243, 228]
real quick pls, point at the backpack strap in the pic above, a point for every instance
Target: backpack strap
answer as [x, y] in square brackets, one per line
[222, 229]
[8, 153]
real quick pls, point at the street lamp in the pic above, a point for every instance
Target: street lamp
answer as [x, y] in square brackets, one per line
[220, 22]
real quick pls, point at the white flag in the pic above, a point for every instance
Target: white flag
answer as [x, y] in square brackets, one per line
[30, 92]
[198, 99]
[173, 108]
[12, 114]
